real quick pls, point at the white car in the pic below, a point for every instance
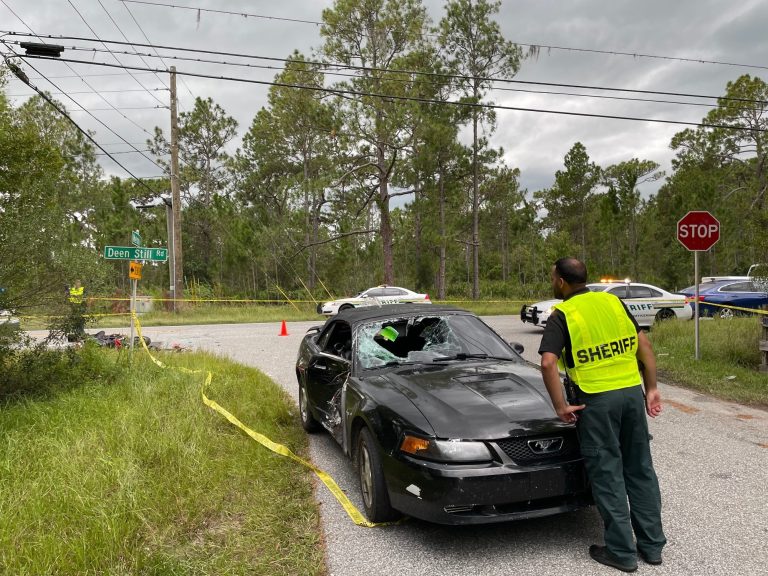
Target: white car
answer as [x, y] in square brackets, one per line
[376, 296]
[645, 302]
[6, 317]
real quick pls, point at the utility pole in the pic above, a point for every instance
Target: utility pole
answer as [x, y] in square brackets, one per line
[178, 275]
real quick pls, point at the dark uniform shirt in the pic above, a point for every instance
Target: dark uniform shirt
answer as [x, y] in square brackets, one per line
[556, 336]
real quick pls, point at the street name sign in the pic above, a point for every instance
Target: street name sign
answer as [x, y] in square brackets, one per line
[136, 238]
[135, 253]
[698, 231]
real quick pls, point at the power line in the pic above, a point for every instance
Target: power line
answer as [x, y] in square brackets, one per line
[81, 106]
[391, 97]
[126, 39]
[113, 56]
[121, 108]
[341, 66]
[244, 14]
[81, 91]
[530, 45]
[398, 80]
[150, 42]
[20, 74]
[82, 79]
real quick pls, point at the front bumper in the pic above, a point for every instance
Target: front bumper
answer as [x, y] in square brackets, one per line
[485, 493]
[533, 315]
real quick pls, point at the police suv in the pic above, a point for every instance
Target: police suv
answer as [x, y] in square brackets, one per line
[645, 302]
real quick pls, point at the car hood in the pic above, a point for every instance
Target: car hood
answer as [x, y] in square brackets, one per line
[545, 305]
[478, 400]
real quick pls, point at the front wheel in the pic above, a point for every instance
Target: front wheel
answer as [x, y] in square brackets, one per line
[372, 483]
[308, 421]
[345, 307]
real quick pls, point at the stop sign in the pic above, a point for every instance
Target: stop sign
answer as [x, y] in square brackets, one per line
[698, 230]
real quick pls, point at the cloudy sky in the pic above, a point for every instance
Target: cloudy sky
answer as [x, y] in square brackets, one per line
[533, 142]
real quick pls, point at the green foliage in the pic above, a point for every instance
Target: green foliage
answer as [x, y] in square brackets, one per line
[729, 358]
[127, 472]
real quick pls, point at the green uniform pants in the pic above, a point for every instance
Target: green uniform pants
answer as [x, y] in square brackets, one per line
[613, 434]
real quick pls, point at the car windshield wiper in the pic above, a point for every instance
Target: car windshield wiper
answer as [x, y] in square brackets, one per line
[465, 356]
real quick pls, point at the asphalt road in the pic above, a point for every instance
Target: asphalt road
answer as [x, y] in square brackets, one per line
[711, 458]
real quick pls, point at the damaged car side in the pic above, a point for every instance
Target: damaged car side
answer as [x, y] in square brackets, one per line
[443, 418]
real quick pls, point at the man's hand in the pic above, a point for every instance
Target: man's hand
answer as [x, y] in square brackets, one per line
[653, 403]
[568, 413]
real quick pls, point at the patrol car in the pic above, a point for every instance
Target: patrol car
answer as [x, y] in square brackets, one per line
[376, 296]
[645, 302]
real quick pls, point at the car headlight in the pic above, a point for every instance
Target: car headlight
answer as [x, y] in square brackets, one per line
[445, 450]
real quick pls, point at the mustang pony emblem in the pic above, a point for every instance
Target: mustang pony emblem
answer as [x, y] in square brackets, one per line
[545, 445]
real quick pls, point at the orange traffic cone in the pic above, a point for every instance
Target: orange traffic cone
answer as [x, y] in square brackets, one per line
[283, 330]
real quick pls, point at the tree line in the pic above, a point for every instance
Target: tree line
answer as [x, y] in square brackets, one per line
[370, 182]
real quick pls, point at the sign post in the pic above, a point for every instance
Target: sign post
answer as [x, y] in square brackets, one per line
[698, 231]
[136, 252]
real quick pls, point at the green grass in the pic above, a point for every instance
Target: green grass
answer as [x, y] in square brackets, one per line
[729, 362]
[128, 472]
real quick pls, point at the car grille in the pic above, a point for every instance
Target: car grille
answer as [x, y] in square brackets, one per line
[520, 450]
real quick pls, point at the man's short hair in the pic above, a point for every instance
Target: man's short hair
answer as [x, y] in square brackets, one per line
[572, 270]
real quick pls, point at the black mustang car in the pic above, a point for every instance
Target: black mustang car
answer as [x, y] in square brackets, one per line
[445, 420]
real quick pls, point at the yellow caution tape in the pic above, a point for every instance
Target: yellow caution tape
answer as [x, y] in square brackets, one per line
[356, 516]
[751, 310]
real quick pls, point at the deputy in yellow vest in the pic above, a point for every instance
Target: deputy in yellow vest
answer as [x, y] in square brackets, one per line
[76, 293]
[597, 341]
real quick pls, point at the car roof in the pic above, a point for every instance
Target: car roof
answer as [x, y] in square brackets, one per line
[358, 315]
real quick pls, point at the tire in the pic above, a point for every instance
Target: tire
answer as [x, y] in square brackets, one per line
[726, 314]
[308, 421]
[373, 487]
[345, 307]
[665, 314]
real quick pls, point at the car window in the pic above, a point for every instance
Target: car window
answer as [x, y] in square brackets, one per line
[337, 340]
[738, 287]
[394, 292]
[655, 293]
[375, 293]
[620, 291]
[596, 287]
[423, 339]
[702, 287]
[639, 292]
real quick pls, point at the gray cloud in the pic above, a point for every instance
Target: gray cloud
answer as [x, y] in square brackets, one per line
[535, 143]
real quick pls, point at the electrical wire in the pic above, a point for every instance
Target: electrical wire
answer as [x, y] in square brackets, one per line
[529, 45]
[115, 57]
[162, 82]
[44, 96]
[80, 106]
[391, 97]
[150, 42]
[396, 80]
[463, 77]
[84, 81]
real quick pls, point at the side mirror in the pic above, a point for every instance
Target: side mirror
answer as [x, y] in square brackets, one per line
[517, 347]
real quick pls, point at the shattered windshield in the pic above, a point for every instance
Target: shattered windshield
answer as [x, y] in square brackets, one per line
[427, 339]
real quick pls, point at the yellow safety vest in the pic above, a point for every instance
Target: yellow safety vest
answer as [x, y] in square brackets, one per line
[603, 342]
[76, 295]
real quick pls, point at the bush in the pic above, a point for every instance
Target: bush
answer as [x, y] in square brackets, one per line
[37, 370]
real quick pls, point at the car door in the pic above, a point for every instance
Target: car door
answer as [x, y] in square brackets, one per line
[639, 303]
[327, 372]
